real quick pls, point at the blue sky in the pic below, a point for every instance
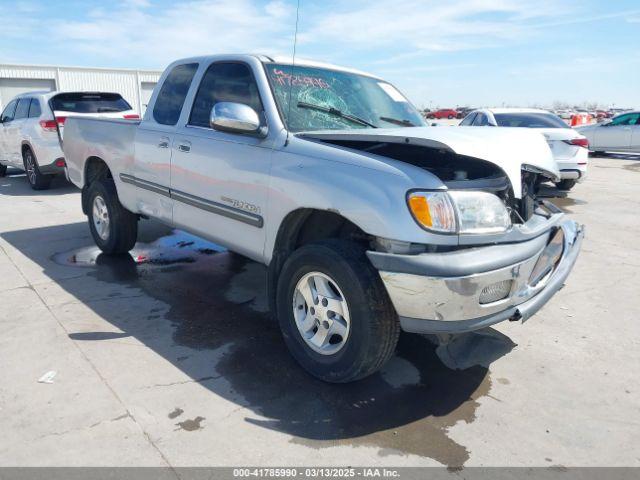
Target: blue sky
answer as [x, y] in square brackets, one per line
[440, 53]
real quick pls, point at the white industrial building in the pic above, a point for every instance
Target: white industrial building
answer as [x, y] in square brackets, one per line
[135, 86]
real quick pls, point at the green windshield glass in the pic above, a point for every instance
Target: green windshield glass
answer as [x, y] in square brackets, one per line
[323, 99]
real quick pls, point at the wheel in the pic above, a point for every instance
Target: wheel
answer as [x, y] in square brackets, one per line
[3, 170]
[113, 227]
[566, 184]
[334, 312]
[36, 178]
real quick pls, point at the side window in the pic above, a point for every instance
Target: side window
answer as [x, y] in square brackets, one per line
[8, 112]
[34, 110]
[481, 120]
[172, 94]
[22, 110]
[224, 82]
[629, 119]
[468, 120]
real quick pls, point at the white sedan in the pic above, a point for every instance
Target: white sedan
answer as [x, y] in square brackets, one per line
[621, 134]
[569, 147]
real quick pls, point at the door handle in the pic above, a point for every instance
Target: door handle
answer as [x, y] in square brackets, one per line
[184, 147]
[164, 142]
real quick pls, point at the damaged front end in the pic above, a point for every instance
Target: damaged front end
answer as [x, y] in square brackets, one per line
[507, 270]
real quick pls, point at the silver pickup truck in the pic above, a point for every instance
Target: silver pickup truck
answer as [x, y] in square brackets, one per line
[369, 221]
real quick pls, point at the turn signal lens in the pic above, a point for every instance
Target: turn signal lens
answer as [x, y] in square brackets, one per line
[433, 210]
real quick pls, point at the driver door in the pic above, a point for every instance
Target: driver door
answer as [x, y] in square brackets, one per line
[219, 180]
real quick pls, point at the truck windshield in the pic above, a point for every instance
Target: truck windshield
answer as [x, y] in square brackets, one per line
[89, 102]
[324, 99]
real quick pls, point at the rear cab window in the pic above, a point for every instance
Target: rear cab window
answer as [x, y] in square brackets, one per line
[173, 92]
[89, 103]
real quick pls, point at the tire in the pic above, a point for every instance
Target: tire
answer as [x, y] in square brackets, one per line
[35, 177]
[3, 171]
[119, 232]
[373, 326]
[566, 184]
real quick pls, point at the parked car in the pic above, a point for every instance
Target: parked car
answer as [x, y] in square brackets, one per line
[443, 113]
[369, 221]
[568, 146]
[32, 127]
[620, 134]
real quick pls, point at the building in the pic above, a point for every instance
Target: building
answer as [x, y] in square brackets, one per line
[135, 86]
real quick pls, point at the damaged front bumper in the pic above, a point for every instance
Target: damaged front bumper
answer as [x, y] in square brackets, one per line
[473, 288]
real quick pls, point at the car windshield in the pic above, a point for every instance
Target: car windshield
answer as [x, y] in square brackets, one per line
[529, 120]
[324, 99]
[89, 103]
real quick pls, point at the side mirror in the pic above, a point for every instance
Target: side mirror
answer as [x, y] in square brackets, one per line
[235, 118]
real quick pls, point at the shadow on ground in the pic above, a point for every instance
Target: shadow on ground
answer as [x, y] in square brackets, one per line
[216, 300]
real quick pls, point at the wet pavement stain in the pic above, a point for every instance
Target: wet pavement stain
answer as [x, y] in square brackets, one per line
[191, 425]
[407, 408]
[565, 202]
[175, 413]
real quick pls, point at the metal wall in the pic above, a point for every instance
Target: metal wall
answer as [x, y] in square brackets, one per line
[133, 85]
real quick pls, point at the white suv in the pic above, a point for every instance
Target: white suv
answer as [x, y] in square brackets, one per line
[32, 128]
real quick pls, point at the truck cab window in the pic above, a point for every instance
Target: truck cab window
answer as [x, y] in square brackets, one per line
[172, 94]
[224, 82]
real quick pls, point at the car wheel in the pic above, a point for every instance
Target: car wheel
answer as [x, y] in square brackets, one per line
[36, 178]
[113, 227]
[3, 170]
[335, 315]
[566, 184]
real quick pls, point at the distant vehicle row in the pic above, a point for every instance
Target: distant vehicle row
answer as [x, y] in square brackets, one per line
[32, 129]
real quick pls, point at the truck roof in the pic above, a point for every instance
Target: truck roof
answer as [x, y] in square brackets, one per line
[279, 59]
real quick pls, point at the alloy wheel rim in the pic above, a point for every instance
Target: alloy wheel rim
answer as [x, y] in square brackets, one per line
[321, 313]
[31, 168]
[101, 217]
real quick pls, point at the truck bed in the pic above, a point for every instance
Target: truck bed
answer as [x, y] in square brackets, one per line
[109, 139]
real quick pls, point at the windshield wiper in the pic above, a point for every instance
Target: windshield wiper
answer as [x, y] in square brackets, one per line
[397, 121]
[336, 113]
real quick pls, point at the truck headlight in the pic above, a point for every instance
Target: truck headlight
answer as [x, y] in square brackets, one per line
[459, 211]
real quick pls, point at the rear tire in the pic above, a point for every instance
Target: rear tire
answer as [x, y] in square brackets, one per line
[566, 184]
[35, 177]
[371, 323]
[3, 170]
[113, 227]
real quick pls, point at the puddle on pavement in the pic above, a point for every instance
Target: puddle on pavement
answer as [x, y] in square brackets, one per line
[565, 202]
[407, 408]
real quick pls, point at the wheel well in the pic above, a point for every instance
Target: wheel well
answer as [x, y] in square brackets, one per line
[305, 226]
[94, 169]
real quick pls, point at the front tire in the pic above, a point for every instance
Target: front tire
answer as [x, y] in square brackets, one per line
[36, 178]
[335, 315]
[113, 227]
[566, 184]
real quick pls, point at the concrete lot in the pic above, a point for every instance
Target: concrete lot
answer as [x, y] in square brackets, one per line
[170, 359]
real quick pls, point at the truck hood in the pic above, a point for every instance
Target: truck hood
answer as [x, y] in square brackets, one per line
[509, 149]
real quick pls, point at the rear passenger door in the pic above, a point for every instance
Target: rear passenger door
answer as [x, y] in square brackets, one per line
[151, 171]
[219, 180]
[14, 131]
